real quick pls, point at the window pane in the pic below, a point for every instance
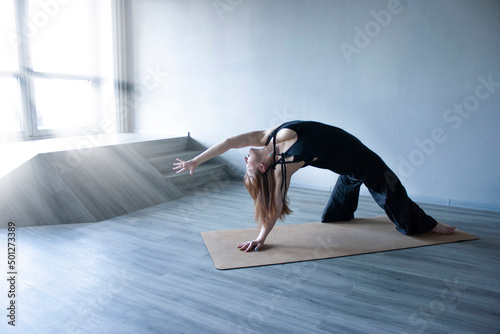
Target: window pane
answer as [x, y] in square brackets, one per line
[63, 104]
[10, 111]
[60, 36]
[8, 37]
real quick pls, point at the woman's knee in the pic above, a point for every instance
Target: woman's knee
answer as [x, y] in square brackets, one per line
[331, 217]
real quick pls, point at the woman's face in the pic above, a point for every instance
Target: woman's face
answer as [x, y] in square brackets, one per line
[252, 162]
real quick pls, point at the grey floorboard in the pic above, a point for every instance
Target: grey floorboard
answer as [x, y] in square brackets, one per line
[149, 272]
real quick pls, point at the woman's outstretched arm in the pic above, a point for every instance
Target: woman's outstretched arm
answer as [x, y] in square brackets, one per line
[267, 228]
[255, 138]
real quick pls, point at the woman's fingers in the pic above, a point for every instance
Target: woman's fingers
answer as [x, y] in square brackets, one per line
[243, 246]
[179, 166]
[257, 246]
[182, 166]
[179, 169]
[249, 246]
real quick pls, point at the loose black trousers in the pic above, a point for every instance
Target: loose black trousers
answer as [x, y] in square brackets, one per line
[388, 192]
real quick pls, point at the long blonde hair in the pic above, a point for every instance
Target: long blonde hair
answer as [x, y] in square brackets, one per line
[261, 187]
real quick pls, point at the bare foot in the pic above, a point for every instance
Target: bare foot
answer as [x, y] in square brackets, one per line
[443, 229]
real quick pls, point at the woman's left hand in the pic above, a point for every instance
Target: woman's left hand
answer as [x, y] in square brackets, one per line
[182, 166]
[251, 245]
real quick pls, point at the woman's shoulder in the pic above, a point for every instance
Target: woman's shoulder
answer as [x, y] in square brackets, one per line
[285, 134]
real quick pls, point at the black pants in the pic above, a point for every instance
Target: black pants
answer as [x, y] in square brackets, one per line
[390, 195]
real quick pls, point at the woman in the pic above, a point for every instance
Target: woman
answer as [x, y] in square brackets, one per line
[296, 144]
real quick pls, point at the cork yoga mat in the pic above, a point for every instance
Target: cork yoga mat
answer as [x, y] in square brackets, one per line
[313, 241]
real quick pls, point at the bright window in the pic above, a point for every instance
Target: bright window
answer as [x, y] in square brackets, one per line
[55, 66]
[8, 53]
[10, 107]
[60, 42]
[10, 111]
[63, 104]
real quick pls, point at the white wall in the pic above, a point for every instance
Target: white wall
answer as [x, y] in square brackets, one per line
[392, 73]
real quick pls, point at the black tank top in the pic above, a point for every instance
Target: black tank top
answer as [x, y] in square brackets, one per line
[325, 146]
[333, 148]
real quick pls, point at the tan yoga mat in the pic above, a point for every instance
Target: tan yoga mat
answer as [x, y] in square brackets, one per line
[314, 241]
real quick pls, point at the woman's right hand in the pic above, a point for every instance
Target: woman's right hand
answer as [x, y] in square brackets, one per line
[182, 166]
[250, 245]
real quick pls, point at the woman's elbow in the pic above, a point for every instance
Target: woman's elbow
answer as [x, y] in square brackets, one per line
[229, 143]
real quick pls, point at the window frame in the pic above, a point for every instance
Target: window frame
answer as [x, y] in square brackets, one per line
[26, 76]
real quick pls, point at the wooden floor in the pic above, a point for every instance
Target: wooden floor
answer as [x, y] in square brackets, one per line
[149, 272]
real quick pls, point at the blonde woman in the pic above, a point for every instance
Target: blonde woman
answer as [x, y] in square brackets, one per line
[283, 150]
